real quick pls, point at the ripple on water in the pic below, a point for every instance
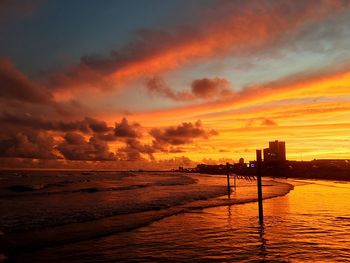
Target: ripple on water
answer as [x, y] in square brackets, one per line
[294, 230]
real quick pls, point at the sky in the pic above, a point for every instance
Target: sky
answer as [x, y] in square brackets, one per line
[158, 84]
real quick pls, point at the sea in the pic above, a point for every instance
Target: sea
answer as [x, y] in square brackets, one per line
[108, 216]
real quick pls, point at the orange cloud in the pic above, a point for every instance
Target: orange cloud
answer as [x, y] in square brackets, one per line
[307, 87]
[311, 113]
[251, 29]
[245, 29]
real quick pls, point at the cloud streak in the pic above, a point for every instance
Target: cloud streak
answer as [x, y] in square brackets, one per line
[75, 147]
[201, 89]
[26, 120]
[182, 134]
[16, 86]
[327, 83]
[236, 28]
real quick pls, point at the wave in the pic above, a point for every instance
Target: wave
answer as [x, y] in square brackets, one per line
[22, 190]
[25, 190]
[130, 219]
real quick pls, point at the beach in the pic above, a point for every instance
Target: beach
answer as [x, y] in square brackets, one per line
[147, 217]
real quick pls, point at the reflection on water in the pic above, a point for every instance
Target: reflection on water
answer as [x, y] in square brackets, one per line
[262, 246]
[311, 223]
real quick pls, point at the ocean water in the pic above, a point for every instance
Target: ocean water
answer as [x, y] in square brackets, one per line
[152, 217]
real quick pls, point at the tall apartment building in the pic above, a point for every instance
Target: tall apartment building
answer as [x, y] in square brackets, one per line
[275, 152]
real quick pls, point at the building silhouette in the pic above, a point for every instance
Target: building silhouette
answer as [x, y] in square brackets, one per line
[276, 152]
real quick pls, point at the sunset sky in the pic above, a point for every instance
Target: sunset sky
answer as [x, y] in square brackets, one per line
[162, 83]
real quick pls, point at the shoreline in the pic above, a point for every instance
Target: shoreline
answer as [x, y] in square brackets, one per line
[26, 242]
[23, 171]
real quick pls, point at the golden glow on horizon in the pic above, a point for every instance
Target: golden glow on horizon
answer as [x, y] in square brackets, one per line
[312, 116]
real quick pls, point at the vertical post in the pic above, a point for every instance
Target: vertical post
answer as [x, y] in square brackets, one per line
[260, 198]
[228, 180]
[235, 183]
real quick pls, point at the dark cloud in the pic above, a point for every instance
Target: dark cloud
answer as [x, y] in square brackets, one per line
[157, 86]
[126, 130]
[16, 86]
[78, 77]
[75, 147]
[27, 120]
[204, 89]
[97, 125]
[134, 149]
[20, 95]
[34, 145]
[211, 88]
[145, 44]
[74, 138]
[86, 125]
[182, 134]
[166, 164]
[108, 137]
[93, 68]
[88, 139]
[164, 141]
[41, 145]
